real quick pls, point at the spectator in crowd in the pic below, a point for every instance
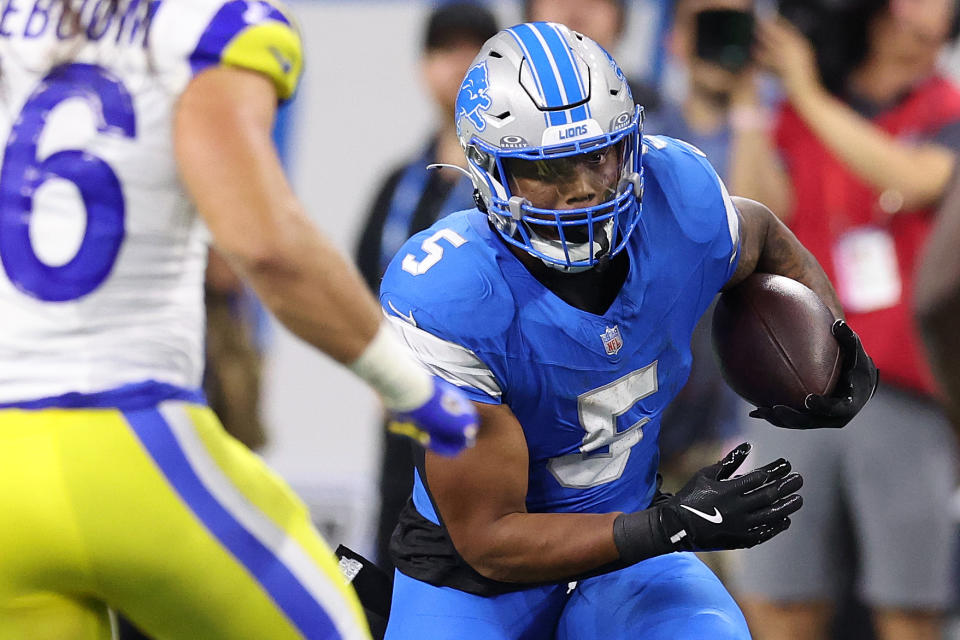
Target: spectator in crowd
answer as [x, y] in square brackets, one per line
[866, 164]
[413, 197]
[723, 111]
[601, 20]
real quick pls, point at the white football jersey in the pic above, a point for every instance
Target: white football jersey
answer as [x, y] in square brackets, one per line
[103, 255]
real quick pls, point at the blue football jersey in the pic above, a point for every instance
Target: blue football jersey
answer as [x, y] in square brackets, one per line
[587, 389]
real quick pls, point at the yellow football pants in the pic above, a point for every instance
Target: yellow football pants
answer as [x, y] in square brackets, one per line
[159, 514]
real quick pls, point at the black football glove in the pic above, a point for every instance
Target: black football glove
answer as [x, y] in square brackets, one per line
[714, 511]
[855, 386]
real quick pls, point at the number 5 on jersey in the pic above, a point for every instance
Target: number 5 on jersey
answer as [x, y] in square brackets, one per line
[599, 410]
[434, 251]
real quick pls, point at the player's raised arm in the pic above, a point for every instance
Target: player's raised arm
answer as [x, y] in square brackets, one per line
[768, 246]
[227, 161]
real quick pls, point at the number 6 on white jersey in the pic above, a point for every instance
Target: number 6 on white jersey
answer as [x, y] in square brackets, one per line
[434, 252]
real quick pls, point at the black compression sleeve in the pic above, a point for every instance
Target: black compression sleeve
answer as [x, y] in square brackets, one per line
[638, 536]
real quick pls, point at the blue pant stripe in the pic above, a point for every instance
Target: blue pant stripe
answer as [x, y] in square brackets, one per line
[303, 610]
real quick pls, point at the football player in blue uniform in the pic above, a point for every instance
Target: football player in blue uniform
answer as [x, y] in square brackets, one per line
[566, 315]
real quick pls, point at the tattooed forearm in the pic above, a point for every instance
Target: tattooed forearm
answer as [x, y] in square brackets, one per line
[768, 246]
[784, 255]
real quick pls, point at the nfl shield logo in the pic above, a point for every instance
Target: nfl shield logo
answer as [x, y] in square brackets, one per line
[612, 340]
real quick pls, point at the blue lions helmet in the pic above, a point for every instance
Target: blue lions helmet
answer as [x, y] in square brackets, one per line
[538, 100]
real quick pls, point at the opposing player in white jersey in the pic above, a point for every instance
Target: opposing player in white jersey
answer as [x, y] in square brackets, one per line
[118, 487]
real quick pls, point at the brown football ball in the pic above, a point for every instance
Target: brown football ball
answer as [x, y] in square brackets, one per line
[772, 339]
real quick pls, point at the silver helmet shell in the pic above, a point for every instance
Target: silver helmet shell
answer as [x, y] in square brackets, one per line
[539, 91]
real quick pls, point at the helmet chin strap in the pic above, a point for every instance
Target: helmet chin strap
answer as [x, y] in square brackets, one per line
[577, 252]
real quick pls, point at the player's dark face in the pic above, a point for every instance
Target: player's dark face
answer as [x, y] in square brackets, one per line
[575, 182]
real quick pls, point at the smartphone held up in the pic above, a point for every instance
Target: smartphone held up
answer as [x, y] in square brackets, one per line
[725, 37]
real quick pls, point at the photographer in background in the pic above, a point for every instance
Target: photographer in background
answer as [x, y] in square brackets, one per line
[721, 111]
[867, 145]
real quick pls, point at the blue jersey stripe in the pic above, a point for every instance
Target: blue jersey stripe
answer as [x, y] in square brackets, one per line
[136, 395]
[306, 614]
[421, 499]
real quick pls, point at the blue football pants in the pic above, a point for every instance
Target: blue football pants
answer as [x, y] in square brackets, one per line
[671, 597]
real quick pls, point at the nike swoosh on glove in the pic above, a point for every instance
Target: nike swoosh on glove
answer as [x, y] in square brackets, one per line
[714, 511]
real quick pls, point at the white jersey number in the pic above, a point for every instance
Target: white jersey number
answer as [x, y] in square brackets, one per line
[599, 410]
[434, 251]
[23, 173]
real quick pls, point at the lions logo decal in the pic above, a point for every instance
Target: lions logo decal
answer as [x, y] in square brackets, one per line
[473, 98]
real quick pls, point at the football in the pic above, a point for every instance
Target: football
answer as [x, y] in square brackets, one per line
[773, 342]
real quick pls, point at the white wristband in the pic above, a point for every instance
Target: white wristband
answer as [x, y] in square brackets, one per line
[390, 368]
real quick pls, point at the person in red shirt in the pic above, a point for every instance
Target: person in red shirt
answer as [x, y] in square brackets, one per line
[867, 165]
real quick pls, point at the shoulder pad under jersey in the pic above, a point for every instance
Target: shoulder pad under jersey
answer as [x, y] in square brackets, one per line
[697, 196]
[446, 279]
